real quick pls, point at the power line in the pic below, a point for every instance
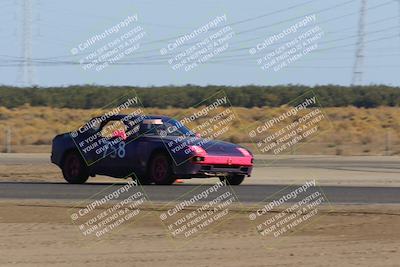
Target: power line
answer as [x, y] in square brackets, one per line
[159, 60]
[335, 18]
[47, 63]
[234, 23]
[366, 24]
[323, 10]
[265, 26]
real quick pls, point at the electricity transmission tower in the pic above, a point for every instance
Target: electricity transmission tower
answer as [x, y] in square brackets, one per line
[398, 1]
[359, 59]
[26, 71]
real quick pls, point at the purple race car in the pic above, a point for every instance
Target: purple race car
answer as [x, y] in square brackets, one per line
[151, 149]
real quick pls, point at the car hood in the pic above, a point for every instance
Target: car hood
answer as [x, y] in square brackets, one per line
[212, 147]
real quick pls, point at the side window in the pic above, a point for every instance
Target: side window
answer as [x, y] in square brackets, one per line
[151, 126]
[150, 129]
[133, 129]
[171, 129]
[175, 129]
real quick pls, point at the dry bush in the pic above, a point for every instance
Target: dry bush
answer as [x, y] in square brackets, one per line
[369, 128]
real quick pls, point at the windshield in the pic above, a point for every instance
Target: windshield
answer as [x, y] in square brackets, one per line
[168, 127]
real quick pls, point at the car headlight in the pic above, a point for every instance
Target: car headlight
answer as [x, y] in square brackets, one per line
[198, 150]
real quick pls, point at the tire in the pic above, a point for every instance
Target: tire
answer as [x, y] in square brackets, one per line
[233, 180]
[74, 168]
[160, 171]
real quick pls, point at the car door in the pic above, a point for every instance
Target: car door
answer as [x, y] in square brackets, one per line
[126, 156]
[116, 150]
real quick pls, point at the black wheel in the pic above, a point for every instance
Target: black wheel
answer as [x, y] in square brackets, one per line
[160, 171]
[74, 169]
[233, 180]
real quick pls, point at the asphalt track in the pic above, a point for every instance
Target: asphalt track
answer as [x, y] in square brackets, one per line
[245, 193]
[375, 163]
[253, 193]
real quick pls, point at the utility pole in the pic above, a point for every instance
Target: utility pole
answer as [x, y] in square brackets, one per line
[26, 73]
[359, 58]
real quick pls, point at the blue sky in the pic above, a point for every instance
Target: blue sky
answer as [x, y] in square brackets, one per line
[58, 26]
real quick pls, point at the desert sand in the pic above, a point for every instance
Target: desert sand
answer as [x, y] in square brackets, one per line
[35, 233]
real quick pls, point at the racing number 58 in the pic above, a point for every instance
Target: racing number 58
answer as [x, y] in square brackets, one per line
[120, 151]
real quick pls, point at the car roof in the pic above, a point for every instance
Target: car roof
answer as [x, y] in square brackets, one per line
[121, 116]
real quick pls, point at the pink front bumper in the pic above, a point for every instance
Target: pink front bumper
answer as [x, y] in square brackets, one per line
[227, 160]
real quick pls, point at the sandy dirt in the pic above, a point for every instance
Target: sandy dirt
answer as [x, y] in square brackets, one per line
[41, 234]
